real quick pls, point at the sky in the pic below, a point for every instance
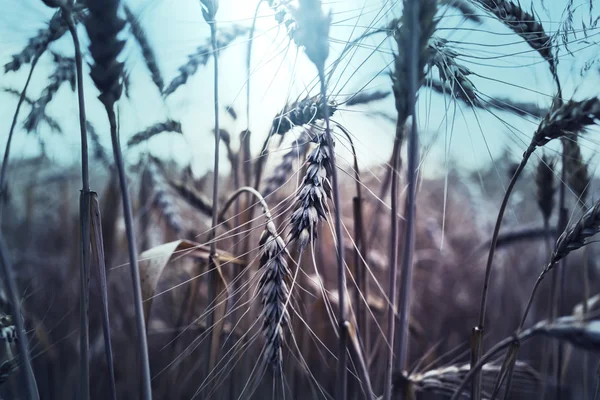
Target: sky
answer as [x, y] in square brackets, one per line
[503, 65]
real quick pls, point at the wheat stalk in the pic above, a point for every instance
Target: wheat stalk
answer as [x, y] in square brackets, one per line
[11, 135]
[583, 334]
[565, 119]
[412, 36]
[103, 25]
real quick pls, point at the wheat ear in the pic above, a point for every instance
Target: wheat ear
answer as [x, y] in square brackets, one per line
[64, 72]
[528, 27]
[156, 129]
[141, 38]
[202, 55]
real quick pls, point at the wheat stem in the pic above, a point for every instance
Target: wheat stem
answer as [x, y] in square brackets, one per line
[392, 294]
[84, 217]
[479, 329]
[413, 10]
[213, 276]
[133, 258]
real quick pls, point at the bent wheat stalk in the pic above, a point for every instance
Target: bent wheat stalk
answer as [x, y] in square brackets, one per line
[11, 133]
[570, 118]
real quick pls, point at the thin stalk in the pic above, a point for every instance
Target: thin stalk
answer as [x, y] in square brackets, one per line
[412, 175]
[212, 275]
[474, 371]
[394, 174]
[479, 329]
[84, 219]
[11, 133]
[133, 259]
[342, 373]
[10, 285]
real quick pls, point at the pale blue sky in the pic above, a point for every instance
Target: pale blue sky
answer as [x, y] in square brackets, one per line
[176, 28]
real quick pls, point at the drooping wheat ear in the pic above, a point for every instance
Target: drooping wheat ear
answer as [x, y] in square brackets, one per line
[569, 119]
[578, 235]
[156, 129]
[452, 73]
[202, 55]
[544, 182]
[302, 112]
[311, 201]
[578, 177]
[162, 199]
[39, 43]
[583, 334]
[447, 379]
[499, 103]
[51, 122]
[525, 25]
[465, 7]
[273, 284]
[103, 26]
[141, 38]
[282, 172]
[64, 72]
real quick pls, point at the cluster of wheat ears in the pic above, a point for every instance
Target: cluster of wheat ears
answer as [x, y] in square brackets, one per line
[270, 323]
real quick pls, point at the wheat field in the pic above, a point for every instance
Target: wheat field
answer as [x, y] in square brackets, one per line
[299, 199]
